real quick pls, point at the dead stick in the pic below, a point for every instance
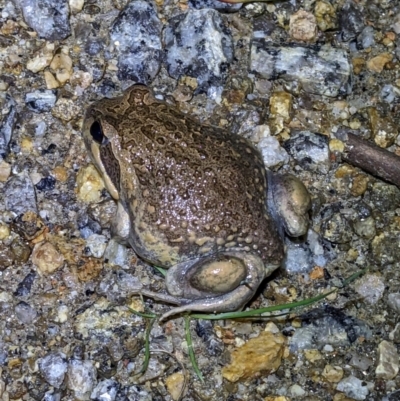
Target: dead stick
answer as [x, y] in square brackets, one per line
[371, 158]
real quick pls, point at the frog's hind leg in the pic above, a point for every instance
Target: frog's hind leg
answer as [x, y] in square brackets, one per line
[205, 300]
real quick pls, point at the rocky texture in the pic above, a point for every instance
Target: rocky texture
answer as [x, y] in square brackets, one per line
[322, 70]
[137, 35]
[200, 46]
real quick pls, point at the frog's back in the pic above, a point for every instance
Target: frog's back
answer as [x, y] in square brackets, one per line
[200, 189]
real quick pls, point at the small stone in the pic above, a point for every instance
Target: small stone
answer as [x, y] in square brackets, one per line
[199, 45]
[280, 108]
[53, 368]
[116, 254]
[66, 109]
[312, 355]
[310, 150]
[296, 391]
[96, 244]
[358, 64]
[4, 231]
[89, 184]
[60, 173]
[90, 270]
[273, 154]
[353, 388]
[81, 377]
[394, 301]
[175, 384]
[303, 26]
[351, 20]
[333, 374]
[41, 58]
[260, 354]
[5, 170]
[50, 18]
[136, 33]
[46, 258]
[361, 362]
[76, 6]
[335, 145]
[388, 361]
[106, 390]
[51, 82]
[25, 313]
[300, 65]
[325, 15]
[377, 64]
[40, 101]
[62, 66]
[370, 287]
[19, 194]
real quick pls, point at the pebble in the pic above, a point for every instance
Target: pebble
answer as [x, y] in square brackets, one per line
[333, 374]
[19, 194]
[302, 64]
[116, 254]
[378, 63]
[76, 6]
[96, 244]
[310, 150]
[366, 38]
[260, 354]
[106, 390]
[61, 66]
[273, 154]
[89, 184]
[361, 362]
[353, 388]
[388, 361]
[136, 33]
[53, 368]
[7, 122]
[371, 287]
[40, 101]
[51, 82]
[351, 21]
[199, 45]
[81, 378]
[46, 258]
[66, 109]
[296, 391]
[325, 15]
[175, 383]
[394, 301]
[25, 313]
[336, 228]
[50, 18]
[25, 286]
[5, 171]
[42, 58]
[303, 26]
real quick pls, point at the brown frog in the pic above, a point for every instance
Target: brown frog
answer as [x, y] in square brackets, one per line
[194, 199]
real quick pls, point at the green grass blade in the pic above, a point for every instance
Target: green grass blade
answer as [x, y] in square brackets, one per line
[192, 356]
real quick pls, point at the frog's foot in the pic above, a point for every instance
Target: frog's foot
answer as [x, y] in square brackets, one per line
[289, 203]
[221, 283]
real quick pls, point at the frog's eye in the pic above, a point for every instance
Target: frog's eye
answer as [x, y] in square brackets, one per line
[96, 132]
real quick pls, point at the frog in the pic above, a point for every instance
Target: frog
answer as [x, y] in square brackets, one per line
[194, 199]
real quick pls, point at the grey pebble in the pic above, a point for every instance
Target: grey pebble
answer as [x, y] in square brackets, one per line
[137, 29]
[49, 18]
[53, 368]
[19, 194]
[199, 45]
[321, 70]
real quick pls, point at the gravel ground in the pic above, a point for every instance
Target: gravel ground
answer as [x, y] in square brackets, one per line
[290, 76]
